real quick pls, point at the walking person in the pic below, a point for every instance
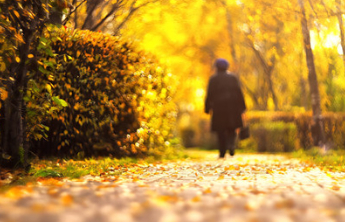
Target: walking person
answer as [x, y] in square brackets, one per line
[225, 101]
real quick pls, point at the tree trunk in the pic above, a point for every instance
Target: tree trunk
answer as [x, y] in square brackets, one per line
[317, 125]
[91, 17]
[75, 15]
[5, 138]
[16, 128]
[14, 140]
[15, 125]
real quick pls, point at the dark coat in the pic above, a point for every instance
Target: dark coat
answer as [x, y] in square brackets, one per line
[225, 99]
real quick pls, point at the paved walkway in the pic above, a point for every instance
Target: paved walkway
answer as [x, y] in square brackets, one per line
[250, 188]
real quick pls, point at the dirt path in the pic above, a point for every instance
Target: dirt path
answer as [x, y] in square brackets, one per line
[251, 188]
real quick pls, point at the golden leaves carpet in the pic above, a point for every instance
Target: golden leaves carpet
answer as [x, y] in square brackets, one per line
[251, 188]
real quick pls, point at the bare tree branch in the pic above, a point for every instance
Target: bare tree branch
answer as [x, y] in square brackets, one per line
[268, 69]
[72, 12]
[111, 12]
[89, 14]
[131, 13]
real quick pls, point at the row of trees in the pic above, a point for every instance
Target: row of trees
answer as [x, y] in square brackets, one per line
[288, 54]
[271, 46]
[274, 47]
[265, 41]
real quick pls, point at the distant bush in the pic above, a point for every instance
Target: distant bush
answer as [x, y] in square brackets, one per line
[334, 125]
[275, 136]
[119, 100]
[280, 131]
[188, 137]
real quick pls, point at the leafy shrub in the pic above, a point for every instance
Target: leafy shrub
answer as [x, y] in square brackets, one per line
[119, 100]
[334, 124]
[268, 125]
[303, 124]
[274, 136]
[188, 137]
[334, 127]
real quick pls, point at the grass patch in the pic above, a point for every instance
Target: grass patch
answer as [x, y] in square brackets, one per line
[105, 166]
[66, 168]
[333, 160]
[199, 154]
[77, 168]
[73, 169]
[47, 173]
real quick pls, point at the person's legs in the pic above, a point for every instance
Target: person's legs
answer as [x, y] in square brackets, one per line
[222, 143]
[231, 138]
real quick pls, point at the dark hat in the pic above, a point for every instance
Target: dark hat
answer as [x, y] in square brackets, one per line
[222, 64]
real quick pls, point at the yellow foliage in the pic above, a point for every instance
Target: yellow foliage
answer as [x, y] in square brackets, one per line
[123, 102]
[3, 94]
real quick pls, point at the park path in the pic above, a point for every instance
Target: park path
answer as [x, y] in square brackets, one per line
[250, 188]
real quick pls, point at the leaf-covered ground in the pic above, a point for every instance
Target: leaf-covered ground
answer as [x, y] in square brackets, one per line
[244, 188]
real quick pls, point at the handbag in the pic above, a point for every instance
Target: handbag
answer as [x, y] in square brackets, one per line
[244, 133]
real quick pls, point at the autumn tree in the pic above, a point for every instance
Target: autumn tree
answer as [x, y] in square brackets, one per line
[108, 16]
[21, 25]
[318, 129]
[327, 10]
[262, 40]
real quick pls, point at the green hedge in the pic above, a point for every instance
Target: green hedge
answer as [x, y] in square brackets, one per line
[279, 131]
[274, 136]
[119, 99]
[334, 126]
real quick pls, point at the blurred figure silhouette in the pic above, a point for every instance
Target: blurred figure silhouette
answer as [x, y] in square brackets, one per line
[225, 101]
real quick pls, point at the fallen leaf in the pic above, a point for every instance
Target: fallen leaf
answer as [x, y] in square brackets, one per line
[135, 179]
[196, 199]
[221, 177]
[53, 192]
[15, 193]
[208, 190]
[256, 191]
[287, 203]
[67, 200]
[251, 205]
[37, 207]
[269, 171]
[169, 198]
[335, 187]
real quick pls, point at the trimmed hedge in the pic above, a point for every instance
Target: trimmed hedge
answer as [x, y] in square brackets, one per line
[280, 131]
[119, 99]
[334, 126]
[274, 136]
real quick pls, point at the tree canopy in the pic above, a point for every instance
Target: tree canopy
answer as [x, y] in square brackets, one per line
[262, 39]
[288, 55]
